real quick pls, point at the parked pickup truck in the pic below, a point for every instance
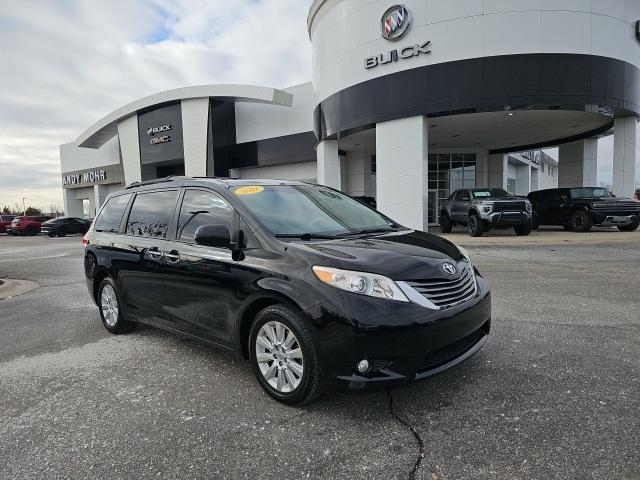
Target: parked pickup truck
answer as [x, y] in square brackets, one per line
[483, 209]
[581, 208]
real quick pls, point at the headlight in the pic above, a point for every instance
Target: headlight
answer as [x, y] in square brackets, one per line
[599, 205]
[361, 283]
[486, 207]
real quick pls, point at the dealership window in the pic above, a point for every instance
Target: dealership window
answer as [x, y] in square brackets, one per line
[151, 213]
[448, 172]
[511, 185]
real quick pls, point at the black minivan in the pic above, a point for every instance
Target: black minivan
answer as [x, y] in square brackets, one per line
[318, 290]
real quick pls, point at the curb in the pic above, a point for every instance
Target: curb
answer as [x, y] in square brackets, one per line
[11, 288]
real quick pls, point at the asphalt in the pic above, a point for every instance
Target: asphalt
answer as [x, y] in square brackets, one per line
[555, 393]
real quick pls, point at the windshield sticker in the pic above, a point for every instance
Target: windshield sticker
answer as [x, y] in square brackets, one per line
[248, 190]
[481, 194]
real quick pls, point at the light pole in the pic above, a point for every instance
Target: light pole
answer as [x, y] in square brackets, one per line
[24, 208]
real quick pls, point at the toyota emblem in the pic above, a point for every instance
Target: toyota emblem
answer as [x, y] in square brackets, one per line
[449, 268]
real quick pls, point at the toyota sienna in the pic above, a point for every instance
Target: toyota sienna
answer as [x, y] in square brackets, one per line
[317, 290]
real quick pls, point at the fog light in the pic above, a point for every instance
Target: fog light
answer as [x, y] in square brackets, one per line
[363, 366]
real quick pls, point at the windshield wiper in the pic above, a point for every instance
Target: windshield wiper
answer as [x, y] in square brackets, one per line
[304, 236]
[364, 231]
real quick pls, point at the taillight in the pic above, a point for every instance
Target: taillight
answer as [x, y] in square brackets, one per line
[85, 241]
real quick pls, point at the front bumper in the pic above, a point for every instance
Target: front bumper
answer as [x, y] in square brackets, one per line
[506, 219]
[612, 218]
[403, 342]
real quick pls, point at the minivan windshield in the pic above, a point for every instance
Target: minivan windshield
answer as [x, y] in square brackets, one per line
[489, 192]
[308, 210]
[592, 192]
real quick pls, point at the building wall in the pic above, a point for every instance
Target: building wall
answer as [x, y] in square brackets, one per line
[256, 121]
[74, 158]
[298, 171]
[344, 33]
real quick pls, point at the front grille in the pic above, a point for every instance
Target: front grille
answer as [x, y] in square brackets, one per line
[508, 206]
[450, 352]
[623, 206]
[444, 293]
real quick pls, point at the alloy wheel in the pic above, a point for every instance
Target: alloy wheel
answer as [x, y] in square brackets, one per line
[279, 357]
[109, 305]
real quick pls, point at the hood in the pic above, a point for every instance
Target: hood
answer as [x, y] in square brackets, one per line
[502, 199]
[607, 200]
[404, 255]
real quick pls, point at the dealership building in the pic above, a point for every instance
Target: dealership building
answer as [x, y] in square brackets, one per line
[407, 102]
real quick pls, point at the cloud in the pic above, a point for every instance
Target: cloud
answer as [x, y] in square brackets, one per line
[68, 63]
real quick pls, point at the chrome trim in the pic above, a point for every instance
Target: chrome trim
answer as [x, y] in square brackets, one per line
[416, 297]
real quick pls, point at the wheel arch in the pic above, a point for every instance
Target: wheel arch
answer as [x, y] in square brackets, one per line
[250, 308]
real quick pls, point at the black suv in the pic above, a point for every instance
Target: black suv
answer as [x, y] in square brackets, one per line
[483, 209]
[581, 208]
[62, 226]
[316, 289]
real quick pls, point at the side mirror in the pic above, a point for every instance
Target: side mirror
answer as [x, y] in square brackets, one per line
[213, 236]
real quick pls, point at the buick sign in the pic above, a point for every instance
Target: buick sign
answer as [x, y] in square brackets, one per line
[154, 130]
[395, 22]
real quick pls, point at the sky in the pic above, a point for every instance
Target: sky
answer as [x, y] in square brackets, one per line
[65, 64]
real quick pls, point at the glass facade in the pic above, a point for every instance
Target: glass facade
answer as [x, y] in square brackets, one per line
[447, 173]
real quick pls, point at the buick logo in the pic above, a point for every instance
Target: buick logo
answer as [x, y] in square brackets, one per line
[449, 268]
[154, 130]
[395, 22]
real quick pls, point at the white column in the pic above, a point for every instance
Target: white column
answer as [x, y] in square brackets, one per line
[497, 174]
[523, 179]
[130, 149]
[578, 164]
[72, 207]
[624, 157]
[535, 179]
[329, 164]
[482, 169]
[401, 170]
[195, 121]
[99, 193]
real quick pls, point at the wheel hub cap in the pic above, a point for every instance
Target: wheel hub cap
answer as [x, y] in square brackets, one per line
[279, 357]
[109, 305]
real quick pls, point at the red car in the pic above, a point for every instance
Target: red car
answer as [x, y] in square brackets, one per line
[26, 225]
[5, 221]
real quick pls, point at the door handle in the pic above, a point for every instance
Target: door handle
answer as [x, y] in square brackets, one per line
[154, 252]
[172, 256]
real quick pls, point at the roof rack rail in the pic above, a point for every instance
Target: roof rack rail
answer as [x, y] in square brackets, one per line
[150, 182]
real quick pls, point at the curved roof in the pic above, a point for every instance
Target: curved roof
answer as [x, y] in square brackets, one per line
[107, 127]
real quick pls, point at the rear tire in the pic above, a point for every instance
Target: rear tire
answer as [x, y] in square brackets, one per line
[524, 229]
[632, 227]
[61, 234]
[30, 232]
[535, 222]
[580, 221]
[109, 307]
[446, 225]
[476, 226]
[289, 384]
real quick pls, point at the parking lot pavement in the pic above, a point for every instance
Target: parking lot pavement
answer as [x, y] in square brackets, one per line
[555, 393]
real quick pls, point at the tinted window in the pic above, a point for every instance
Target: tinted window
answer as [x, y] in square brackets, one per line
[111, 215]
[299, 209]
[590, 193]
[202, 208]
[462, 195]
[151, 213]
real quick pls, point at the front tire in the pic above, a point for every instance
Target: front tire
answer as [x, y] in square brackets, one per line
[30, 232]
[109, 306]
[632, 227]
[476, 226]
[446, 225]
[580, 221]
[284, 357]
[524, 229]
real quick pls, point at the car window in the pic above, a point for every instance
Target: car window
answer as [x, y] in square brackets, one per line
[461, 195]
[111, 215]
[151, 213]
[308, 209]
[202, 208]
